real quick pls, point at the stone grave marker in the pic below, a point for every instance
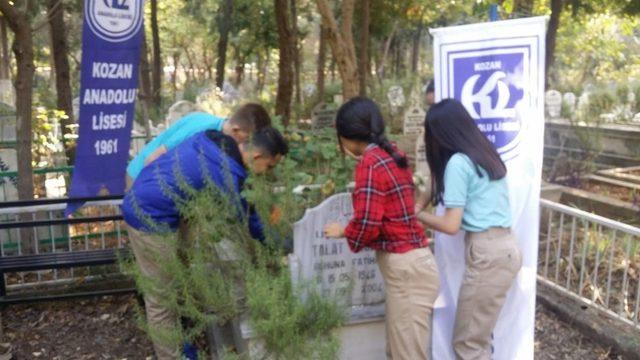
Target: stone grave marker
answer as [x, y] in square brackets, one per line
[7, 92]
[352, 279]
[413, 121]
[570, 100]
[553, 102]
[323, 116]
[178, 110]
[422, 168]
[396, 96]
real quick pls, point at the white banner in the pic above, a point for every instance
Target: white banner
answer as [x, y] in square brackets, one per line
[496, 70]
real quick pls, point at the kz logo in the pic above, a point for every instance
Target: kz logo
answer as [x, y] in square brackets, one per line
[114, 20]
[115, 4]
[493, 85]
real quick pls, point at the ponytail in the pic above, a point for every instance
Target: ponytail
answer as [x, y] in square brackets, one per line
[385, 144]
[360, 119]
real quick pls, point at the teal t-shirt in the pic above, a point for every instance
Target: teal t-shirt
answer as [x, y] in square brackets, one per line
[485, 201]
[183, 129]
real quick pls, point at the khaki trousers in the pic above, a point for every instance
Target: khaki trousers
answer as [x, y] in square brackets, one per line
[412, 284]
[493, 261]
[148, 251]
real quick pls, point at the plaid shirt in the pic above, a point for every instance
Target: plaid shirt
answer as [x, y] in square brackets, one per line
[383, 206]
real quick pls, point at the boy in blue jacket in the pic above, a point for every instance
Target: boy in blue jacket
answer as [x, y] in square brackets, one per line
[151, 206]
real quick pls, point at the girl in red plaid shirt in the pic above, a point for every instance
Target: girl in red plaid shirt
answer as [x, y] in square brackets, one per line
[384, 220]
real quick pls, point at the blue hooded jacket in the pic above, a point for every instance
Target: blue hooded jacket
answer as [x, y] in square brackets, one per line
[150, 205]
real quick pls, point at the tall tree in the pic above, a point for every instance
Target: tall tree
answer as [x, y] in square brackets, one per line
[60, 50]
[19, 23]
[363, 67]
[224, 27]
[144, 95]
[157, 60]
[4, 49]
[340, 39]
[295, 48]
[285, 65]
[322, 61]
[552, 32]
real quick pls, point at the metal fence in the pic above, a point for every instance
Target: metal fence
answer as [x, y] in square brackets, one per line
[52, 235]
[591, 258]
[51, 182]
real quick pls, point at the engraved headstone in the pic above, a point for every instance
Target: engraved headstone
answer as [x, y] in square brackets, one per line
[323, 115]
[569, 100]
[553, 103]
[351, 278]
[422, 167]
[396, 96]
[8, 185]
[413, 121]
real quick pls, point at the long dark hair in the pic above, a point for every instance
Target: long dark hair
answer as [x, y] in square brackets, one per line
[449, 129]
[360, 119]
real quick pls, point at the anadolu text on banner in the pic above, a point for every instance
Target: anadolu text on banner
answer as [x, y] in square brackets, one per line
[496, 70]
[111, 40]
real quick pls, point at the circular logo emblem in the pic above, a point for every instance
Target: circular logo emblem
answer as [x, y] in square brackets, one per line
[114, 20]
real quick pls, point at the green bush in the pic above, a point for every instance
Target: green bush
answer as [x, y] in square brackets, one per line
[208, 287]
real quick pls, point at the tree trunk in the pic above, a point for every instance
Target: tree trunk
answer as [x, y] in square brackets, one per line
[157, 59]
[23, 52]
[60, 51]
[385, 52]
[342, 46]
[415, 53]
[285, 65]
[552, 32]
[295, 42]
[224, 27]
[174, 75]
[322, 60]
[4, 49]
[364, 48]
[144, 95]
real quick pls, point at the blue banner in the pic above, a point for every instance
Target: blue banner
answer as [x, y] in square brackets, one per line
[111, 39]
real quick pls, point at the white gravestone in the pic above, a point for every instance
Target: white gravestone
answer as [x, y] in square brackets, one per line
[7, 92]
[323, 116]
[353, 279]
[570, 100]
[553, 102]
[396, 96]
[413, 121]
[177, 111]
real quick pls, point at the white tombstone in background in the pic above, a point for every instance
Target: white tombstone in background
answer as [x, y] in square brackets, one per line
[323, 116]
[353, 279]
[178, 110]
[7, 122]
[553, 103]
[338, 99]
[396, 96]
[310, 90]
[75, 104]
[413, 121]
[7, 92]
[8, 190]
[569, 100]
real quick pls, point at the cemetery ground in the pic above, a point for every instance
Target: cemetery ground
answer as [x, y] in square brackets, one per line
[106, 328]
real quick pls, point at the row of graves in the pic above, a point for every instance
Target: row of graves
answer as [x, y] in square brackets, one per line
[572, 107]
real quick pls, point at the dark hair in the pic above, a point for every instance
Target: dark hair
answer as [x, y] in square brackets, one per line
[449, 129]
[360, 119]
[251, 117]
[430, 87]
[270, 140]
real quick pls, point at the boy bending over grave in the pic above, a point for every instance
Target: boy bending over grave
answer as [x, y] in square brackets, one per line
[152, 207]
[246, 119]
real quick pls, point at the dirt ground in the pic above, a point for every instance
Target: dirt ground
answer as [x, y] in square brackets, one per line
[106, 328]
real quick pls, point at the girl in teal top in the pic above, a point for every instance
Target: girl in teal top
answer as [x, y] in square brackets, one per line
[468, 178]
